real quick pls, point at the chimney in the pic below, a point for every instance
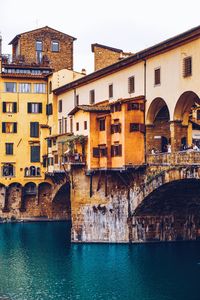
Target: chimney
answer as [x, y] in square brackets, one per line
[83, 71]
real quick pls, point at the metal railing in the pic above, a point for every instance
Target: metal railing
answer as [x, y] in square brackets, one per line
[188, 157]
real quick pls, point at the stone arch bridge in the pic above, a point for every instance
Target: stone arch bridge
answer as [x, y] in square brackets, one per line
[160, 202]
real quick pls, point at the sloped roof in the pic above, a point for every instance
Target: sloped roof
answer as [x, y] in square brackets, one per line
[38, 29]
[105, 47]
[157, 49]
[90, 108]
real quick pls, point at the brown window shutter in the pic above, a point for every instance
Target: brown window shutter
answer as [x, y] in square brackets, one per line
[120, 150]
[142, 106]
[119, 128]
[157, 76]
[131, 84]
[112, 151]
[129, 106]
[142, 128]
[187, 66]
[112, 129]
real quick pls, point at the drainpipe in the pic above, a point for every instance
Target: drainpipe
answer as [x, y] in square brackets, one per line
[145, 81]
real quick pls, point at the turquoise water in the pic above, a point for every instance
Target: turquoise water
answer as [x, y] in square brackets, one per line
[37, 262]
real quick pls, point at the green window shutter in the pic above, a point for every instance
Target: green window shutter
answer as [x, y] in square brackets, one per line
[3, 127]
[35, 153]
[29, 107]
[4, 107]
[15, 127]
[40, 107]
[14, 107]
[34, 129]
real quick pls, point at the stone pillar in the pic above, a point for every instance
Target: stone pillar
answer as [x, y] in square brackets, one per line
[149, 138]
[6, 203]
[178, 131]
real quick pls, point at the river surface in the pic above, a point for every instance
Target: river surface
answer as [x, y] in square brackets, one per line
[38, 262]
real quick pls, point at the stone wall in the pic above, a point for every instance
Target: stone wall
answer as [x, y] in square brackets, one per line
[104, 57]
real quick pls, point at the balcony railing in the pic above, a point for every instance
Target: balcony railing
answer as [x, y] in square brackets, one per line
[75, 159]
[188, 157]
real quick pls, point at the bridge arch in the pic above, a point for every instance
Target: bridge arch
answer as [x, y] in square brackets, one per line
[61, 204]
[168, 206]
[158, 126]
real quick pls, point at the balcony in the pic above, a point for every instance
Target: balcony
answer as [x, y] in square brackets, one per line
[75, 159]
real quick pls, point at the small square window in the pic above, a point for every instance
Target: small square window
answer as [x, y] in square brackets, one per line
[54, 46]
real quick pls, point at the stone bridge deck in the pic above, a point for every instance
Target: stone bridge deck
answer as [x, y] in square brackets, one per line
[182, 158]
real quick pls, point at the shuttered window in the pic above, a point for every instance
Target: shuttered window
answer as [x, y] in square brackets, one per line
[9, 148]
[131, 84]
[187, 66]
[115, 128]
[157, 76]
[133, 106]
[9, 127]
[34, 129]
[116, 150]
[137, 127]
[95, 152]
[103, 151]
[101, 124]
[34, 108]
[60, 106]
[85, 125]
[49, 109]
[9, 107]
[92, 96]
[35, 153]
[77, 126]
[110, 90]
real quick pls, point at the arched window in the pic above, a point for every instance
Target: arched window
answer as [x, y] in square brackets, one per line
[38, 171]
[32, 171]
[26, 172]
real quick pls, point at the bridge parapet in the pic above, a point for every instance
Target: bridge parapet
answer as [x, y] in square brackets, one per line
[182, 158]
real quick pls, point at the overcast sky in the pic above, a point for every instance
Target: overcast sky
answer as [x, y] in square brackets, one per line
[127, 25]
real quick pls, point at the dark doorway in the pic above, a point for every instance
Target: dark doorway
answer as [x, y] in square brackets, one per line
[164, 143]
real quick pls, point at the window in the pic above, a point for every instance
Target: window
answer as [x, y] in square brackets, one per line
[49, 143]
[157, 76]
[71, 125]
[49, 109]
[198, 114]
[39, 88]
[115, 128]
[116, 107]
[10, 87]
[34, 129]
[9, 148]
[56, 158]
[9, 127]
[92, 96]
[24, 87]
[187, 66]
[9, 107]
[101, 124]
[76, 100]
[7, 170]
[34, 108]
[38, 46]
[116, 150]
[102, 150]
[50, 87]
[35, 153]
[77, 126]
[60, 106]
[137, 127]
[131, 84]
[54, 46]
[65, 124]
[85, 125]
[110, 90]
[60, 126]
[96, 152]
